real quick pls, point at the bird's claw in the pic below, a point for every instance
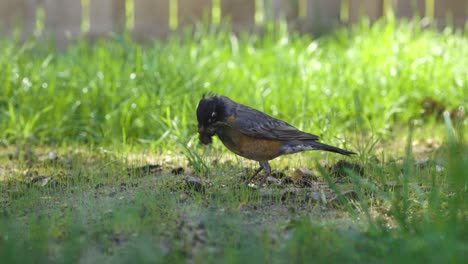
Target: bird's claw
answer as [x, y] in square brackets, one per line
[253, 175]
[262, 180]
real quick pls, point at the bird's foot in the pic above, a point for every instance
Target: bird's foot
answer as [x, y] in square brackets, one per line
[263, 180]
[253, 175]
[267, 168]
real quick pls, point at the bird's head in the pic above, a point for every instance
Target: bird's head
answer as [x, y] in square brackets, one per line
[209, 111]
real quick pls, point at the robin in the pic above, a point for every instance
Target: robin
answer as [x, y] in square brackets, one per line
[252, 134]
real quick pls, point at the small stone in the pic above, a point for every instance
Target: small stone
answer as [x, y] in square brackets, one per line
[150, 169]
[177, 171]
[422, 163]
[278, 174]
[349, 194]
[288, 193]
[42, 180]
[194, 184]
[271, 180]
[51, 156]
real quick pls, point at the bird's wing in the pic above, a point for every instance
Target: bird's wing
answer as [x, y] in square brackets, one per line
[257, 124]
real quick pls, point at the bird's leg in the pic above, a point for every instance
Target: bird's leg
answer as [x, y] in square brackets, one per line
[266, 166]
[255, 174]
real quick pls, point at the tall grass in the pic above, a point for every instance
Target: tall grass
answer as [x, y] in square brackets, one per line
[418, 223]
[366, 81]
[117, 91]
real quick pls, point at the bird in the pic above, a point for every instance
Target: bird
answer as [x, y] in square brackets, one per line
[252, 134]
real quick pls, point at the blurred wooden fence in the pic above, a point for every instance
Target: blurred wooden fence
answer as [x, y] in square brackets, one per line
[65, 19]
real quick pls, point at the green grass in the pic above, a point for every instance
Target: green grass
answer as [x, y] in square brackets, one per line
[118, 92]
[115, 105]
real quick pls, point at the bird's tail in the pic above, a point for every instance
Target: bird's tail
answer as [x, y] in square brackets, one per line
[321, 146]
[299, 146]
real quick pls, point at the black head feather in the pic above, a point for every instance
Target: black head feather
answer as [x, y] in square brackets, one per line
[209, 111]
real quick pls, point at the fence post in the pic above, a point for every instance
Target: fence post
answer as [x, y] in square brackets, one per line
[372, 9]
[10, 12]
[30, 17]
[151, 19]
[62, 20]
[190, 12]
[322, 15]
[106, 16]
[240, 12]
[16, 13]
[282, 9]
[409, 8]
[447, 12]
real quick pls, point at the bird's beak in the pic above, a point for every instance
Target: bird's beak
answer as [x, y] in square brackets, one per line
[205, 135]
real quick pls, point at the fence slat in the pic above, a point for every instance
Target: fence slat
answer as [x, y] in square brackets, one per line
[453, 10]
[63, 17]
[240, 12]
[409, 8]
[372, 9]
[151, 19]
[106, 16]
[322, 16]
[287, 9]
[29, 20]
[62, 20]
[11, 12]
[15, 13]
[192, 11]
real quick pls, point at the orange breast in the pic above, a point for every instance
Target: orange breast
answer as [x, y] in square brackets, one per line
[249, 147]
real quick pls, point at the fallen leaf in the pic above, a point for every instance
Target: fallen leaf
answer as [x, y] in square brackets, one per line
[304, 177]
[339, 169]
[300, 173]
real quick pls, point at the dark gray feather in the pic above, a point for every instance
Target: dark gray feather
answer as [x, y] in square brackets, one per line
[257, 124]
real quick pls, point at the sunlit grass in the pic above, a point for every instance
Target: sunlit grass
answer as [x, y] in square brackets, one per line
[118, 92]
[114, 105]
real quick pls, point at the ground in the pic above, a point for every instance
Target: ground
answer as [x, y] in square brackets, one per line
[100, 162]
[73, 204]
